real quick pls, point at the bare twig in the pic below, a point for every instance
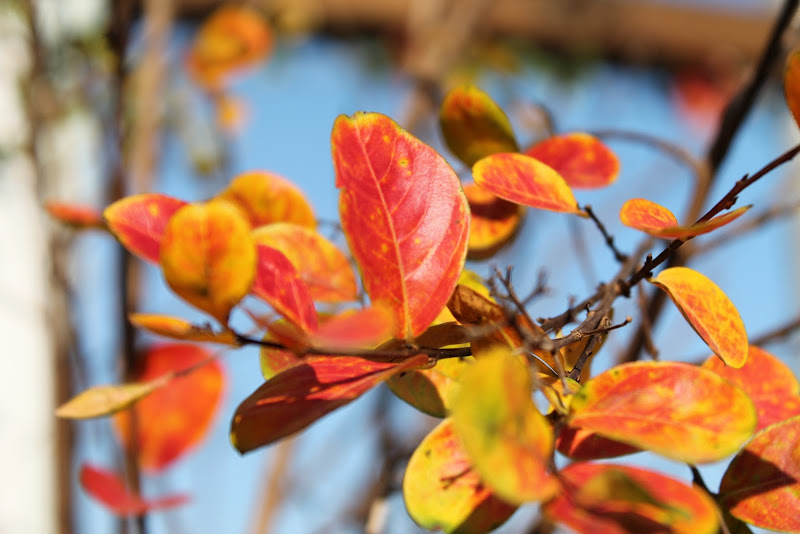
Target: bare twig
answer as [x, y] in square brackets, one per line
[749, 225]
[778, 333]
[609, 239]
[677, 152]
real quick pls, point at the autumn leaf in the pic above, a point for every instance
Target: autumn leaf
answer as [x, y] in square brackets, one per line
[106, 488]
[278, 283]
[100, 401]
[493, 223]
[762, 483]
[323, 268]
[139, 221]
[357, 329]
[233, 38]
[300, 395]
[442, 490]
[618, 499]
[791, 84]
[474, 126]
[431, 391]
[580, 444]
[508, 441]
[75, 215]
[266, 198]
[708, 310]
[675, 409]
[525, 180]
[658, 221]
[581, 159]
[208, 257]
[768, 382]
[404, 215]
[175, 418]
[181, 329]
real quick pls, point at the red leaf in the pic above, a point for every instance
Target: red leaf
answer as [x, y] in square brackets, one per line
[363, 328]
[581, 159]
[404, 215]
[762, 483]
[525, 180]
[173, 419]
[106, 488]
[75, 215]
[580, 444]
[768, 382]
[278, 283]
[302, 394]
[138, 222]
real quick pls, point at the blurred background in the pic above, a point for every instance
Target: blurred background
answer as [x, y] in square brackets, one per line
[103, 99]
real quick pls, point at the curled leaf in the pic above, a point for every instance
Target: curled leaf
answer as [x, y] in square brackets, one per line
[139, 221]
[708, 310]
[678, 410]
[581, 159]
[107, 488]
[208, 257]
[658, 221]
[266, 198]
[404, 215]
[76, 215]
[177, 328]
[278, 283]
[442, 491]
[100, 401]
[525, 180]
[431, 391]
[474, 126]
[493, 223]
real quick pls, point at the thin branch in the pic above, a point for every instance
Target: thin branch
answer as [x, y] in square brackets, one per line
[581, 251]
[609, 239]
[538, 290]
[677, 152]
[777, 334]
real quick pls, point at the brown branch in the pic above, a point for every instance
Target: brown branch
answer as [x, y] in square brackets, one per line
[609, 239]
[749, 225]
[778, 333]
[677, 152]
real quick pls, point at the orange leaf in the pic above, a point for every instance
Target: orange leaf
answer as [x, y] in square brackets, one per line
[675, 409]
[300, 395]
[762, 483]
[431, 391]
[233, 38]
[208, 257]
[768, 381]
[708, 310]
[139, 221]
[404, 215]
[474, 126]
[177, 328]
[175, 418]
[493, 222]
[524, 180]
[76, 215]
[581, 159]
[278, 284]
[618, 499]
[508, 441]
[267, 198]
[580, 444]
[658, 221]
[442, 491]
[107, 488]
[357, 329]
[791, 84]
[323, 267]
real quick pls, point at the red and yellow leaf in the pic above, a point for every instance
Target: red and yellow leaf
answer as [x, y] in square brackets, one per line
[359, 329]
[768, 381]
[100, 401]
[580, 444]
[474, 126]
[762, 483]
[658, 221]
[618, 499]
[675, 409]
[300, 395]
[139, 221]
[323, 267]
[708, 310]
[76, 215]
[233, 38]
[791, 84]
[442, 491]
[109, 490]
[177, 328]
[508, 441]
[266, 198]
[278, 283]
[208, 257]
[493, 222]
[525, 180]
[404, 215]
[581, 159]
[175, 418]
[431, 391]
